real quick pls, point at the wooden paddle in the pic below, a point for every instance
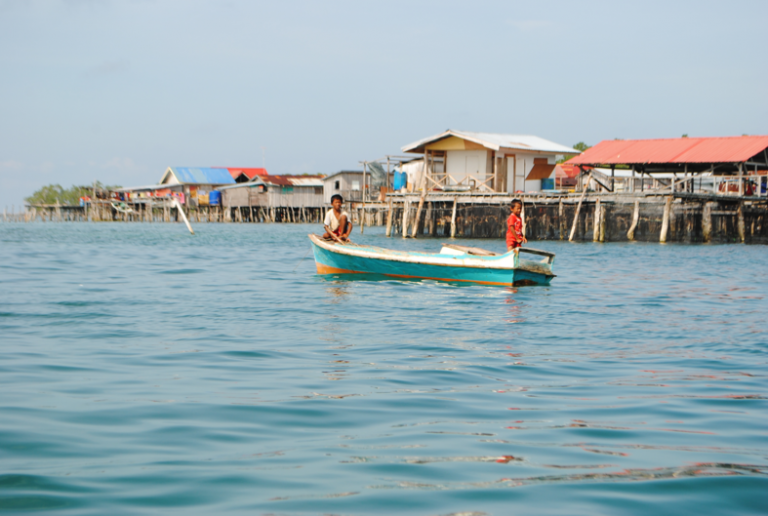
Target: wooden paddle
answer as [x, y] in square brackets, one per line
[333, 235]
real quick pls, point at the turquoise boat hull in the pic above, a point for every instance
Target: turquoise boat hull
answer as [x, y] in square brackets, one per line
[449, 265]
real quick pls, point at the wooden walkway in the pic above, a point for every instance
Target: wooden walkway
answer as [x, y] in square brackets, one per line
[651, 216]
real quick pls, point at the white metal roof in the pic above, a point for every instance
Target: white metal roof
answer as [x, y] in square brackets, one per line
[306, 181]
[146, 188]
[496, 142]
[358, 172]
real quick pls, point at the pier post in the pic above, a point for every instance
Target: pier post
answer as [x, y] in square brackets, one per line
[429, 222]
[740, 222]
[665, 220]
[180, 209]
[741, 180]
[389, 219]
[561, 219]
[601, 234]
[578, 209]
[635, 219]
[706, 222]
[453, 218]
[418, 213]
[406, 209]
[596, 222]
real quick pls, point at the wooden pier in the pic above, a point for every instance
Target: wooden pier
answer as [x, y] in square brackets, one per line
[599, 217]
[586, 216]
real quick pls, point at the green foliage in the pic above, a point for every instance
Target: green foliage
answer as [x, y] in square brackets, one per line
[52, 194]
[685, 135]
[581, 146]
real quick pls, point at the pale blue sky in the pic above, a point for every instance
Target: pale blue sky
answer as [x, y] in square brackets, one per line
[119, 90]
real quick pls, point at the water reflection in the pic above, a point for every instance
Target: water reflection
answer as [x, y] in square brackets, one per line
[703, 469]
[514, 309]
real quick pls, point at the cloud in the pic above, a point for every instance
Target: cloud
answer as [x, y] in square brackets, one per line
[11, 166]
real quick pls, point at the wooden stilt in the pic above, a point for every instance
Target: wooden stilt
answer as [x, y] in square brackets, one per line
[635, 219]
[665, 220]
[428, 220]
[183, 215]
[561, 218]
[578, 209]
[406, 209]
[740, 222]
[453, 218]
[596, 222]
[706, 222]
[601, 232]
[423, 194]
[389, 219]
[418, 216]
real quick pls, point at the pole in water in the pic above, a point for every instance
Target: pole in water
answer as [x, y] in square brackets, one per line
[183, 215]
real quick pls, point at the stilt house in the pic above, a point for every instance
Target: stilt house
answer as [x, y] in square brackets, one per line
[347, 183]
[460, 160]
[196, 182]
[276, 192]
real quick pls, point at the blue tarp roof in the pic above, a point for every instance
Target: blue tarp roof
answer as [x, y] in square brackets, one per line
[203, 175]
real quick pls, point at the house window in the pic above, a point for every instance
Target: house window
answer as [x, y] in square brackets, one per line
[355, 186]
[319, 190]
[336, 185]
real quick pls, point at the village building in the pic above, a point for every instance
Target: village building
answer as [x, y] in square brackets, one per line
[274, 198]
[502, 163]
[733, 165]
[196, 183]
[192, 186]
[347, 183]
[243, 175]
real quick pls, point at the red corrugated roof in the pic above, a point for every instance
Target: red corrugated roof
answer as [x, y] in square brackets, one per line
[249, 172]
[565, 170]
[731, 149]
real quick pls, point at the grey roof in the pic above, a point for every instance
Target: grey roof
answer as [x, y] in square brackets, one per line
[495, 141]
[343, 172]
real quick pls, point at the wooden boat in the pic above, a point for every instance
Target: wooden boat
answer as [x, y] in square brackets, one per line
[452, 263]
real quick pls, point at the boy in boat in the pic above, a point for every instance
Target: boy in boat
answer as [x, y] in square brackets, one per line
[336, 221]
[515, 236]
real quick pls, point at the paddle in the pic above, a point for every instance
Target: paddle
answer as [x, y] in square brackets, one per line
[333, 235]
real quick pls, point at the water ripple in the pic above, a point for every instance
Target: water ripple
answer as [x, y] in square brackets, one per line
[144, 370]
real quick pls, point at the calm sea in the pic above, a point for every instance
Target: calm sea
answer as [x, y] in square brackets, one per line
[144, 370]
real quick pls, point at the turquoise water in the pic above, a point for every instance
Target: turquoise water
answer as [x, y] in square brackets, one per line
[144, 370]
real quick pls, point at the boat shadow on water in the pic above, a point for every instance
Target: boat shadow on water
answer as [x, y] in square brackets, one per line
[337, 279]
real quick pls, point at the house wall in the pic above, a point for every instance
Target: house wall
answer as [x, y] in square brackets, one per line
[274, 197]
[519, 165]
[346, 187]
[235, 196]
[472, 163]
[295, 197]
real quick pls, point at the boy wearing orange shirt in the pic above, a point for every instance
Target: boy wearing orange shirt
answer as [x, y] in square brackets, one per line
[515, 236]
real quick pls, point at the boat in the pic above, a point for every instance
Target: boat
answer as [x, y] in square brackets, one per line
[454, 263]
[121, 207]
